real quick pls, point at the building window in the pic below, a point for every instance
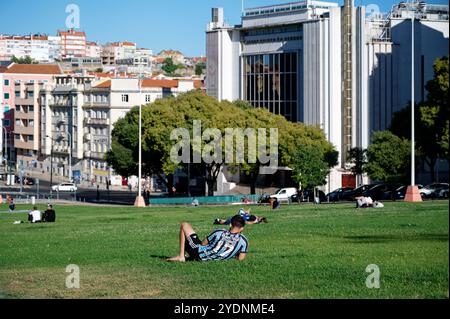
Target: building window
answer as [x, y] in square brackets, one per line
[31, 108]
[17, 136]
[30, 138]
[6, 82]
[124, 97]
[17, 108]
[30, 94]
[270, 81]
[6, 96]
[17, 93]
[147, 98]
[31, 123]
[6, 123]
[6, 109]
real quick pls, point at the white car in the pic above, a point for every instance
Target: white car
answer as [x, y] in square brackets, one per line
[65, 187]
[284, 193]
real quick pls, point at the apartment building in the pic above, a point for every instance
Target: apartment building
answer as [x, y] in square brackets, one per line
[73, 43]
[34, 46]
[78, 114]
[118, 51]
[21, 84]
[93, 49]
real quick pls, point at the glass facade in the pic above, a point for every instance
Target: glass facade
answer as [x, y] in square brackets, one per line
[270, 81]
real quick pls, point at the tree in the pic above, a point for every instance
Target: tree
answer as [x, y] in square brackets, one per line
[169, 67]
[200, 68]
[388, 158]
[26, 60]
[163, 116]
[431, 120]
[358, 157]
[310, 167]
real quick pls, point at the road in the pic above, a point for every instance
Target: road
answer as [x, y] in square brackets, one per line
[87, 194]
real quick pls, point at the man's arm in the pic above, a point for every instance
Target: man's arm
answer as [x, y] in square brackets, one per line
[241, 256]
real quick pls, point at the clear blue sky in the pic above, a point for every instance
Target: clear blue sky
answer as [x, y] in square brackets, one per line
[154, 24]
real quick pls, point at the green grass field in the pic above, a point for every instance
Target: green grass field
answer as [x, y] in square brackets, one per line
[307, 251]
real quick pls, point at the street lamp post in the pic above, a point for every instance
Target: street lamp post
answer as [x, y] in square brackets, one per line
[412, 192]
[140, 202]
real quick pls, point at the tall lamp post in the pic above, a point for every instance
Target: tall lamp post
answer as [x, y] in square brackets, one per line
[412, 192]
[140, 202]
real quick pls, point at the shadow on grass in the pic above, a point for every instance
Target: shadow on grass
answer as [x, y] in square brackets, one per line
[393, 238]
[160, 257]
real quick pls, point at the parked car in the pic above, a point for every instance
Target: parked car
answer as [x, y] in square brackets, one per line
[284, 194]
[443, 193]
[308, 196]
[433, 190]
[378, 192]
[397, 194]
[64, 187]
[338, 194]
[351, 194]
[26, 180]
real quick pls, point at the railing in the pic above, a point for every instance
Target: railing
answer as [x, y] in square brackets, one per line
[212, 200]
[96, 121]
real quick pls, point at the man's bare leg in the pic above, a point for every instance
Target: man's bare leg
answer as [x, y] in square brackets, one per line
[185, 231]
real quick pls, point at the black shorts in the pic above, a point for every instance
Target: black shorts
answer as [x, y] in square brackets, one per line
[191, 246]
[252, 218]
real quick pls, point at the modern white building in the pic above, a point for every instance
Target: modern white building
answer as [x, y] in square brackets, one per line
[321, 64]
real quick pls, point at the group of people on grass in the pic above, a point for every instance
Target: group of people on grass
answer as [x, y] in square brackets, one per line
[228, 244]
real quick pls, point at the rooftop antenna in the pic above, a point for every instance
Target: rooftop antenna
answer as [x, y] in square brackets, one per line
[242, 7]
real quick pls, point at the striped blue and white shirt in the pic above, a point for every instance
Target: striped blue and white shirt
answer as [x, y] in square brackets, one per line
[223, 245]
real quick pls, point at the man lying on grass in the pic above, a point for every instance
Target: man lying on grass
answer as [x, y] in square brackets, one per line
[219, 245]
[249, 219]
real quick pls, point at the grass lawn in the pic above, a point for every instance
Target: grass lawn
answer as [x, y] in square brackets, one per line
[306, 251]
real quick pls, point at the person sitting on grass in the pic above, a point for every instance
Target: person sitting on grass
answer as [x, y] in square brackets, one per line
[49, 215]
[219, 245]
[249, 219]
[34, 216]
[11, 205]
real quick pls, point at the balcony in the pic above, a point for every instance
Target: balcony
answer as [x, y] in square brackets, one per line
[96, 103]
[60, 149]
[26, 130]
[23, 101]
[96, 121]
[24, 145]
[25, 115]
[94, 155]
[97, 155]
[61, 103]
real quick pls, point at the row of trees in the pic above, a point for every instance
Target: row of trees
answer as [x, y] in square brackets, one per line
[301, 147]
[388, 158]
[25, 60]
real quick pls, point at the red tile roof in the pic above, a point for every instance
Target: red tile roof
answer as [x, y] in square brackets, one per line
[159, 83]
[106, 84]
[34, 69]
